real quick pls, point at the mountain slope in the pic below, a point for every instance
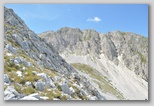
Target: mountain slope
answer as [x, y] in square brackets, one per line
[112, 45]
[34, 70]
[120, 57]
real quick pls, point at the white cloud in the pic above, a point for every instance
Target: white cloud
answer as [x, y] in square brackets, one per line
[95, 19]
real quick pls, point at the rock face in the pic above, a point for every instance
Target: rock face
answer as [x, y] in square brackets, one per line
[34, 66]
[73, 64]
[132, 47]
[115, 63]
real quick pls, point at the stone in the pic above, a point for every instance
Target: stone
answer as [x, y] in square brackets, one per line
[19, 73]
[18, 59]
[9, 54]
[42, 56]
[65, 88]
[23, 68]
[39, 85]
[6, 78]
[25, 63]
[11, 49]
[77, 76]
[28, 83]
[44, 98]
[56, 79]
[97, 94]
[8, 96]
[16, 62]
[48, 81]
[10, 93]
[56, 99]
[92, 97]
[29, 98]
[30, 64]
[72, 91]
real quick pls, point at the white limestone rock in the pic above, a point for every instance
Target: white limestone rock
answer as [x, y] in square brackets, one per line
[6, 78]
[39, 85]
[28, 83]
[11, 49]
[19, 73]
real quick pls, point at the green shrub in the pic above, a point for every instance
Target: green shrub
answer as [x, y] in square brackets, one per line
[59, 88]
[64, 97]
[28, 90]
[142, 57]
[22, 81]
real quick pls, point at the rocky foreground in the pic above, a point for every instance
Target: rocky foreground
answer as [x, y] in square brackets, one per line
[71, 64]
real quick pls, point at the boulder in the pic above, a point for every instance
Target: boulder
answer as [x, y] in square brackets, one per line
[19, 73]
[6, 78]
[65, 88]
[11, 94]
[23, 68]
[18, 59]
[48, 82]
[30, 64]
[39, 85]
[28, 83]
[56, 79]
[77, 76]
[92, 97]
[56, 99]
[42, 56]
[97, 94]
[11, 49]
[16, 62]
[44, 98]
[72, 91]
[25, 63]
[29, 98]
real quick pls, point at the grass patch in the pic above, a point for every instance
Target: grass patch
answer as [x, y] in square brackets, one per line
[9, 66]
[29, 76]
[87, 37]
[53, 93]
[27, 90]
[143, 59]
[123, 33]
[103, 82]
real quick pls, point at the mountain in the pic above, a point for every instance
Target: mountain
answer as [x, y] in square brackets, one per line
[120, 57]
[71, 64]
[33, 70]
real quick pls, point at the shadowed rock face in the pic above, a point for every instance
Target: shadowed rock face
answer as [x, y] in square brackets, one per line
[132, 47]
[32, 65]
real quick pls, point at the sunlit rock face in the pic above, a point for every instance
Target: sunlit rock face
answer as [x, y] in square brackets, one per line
[73, 64]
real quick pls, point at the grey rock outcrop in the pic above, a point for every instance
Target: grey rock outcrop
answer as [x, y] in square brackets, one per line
[38, 67]
[12, 49]
[11, 94]
[6, 78]
[39, 86]
[48, 82]
[35, 57]
[65, 87]
[132, 47]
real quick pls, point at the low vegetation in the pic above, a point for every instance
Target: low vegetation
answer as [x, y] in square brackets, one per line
[102, 81]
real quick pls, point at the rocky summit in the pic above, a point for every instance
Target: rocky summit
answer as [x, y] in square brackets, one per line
[73, 64]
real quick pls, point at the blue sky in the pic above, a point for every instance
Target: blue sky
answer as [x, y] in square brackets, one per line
[101, 17]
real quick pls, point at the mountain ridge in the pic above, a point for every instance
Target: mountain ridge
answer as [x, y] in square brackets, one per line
[71, 65]
[33, 70]
[95, 39]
